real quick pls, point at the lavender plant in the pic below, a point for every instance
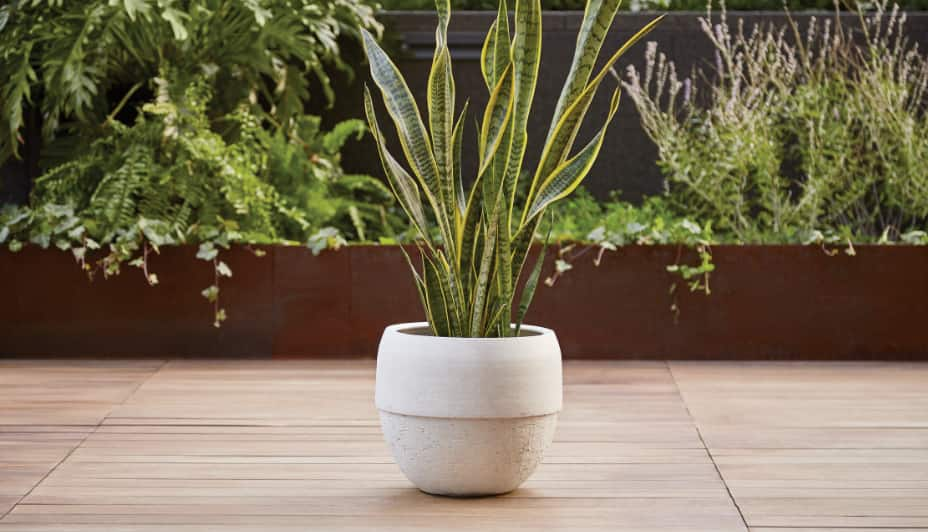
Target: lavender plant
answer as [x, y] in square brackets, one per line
[798, 134]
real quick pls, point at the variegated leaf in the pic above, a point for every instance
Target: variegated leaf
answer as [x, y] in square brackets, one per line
[597, 19]
[495, 54]
[562, 137]
[436, 297]
[495, 119]
[402, 185]
[456, 147]
[412, 134]
[568, 176]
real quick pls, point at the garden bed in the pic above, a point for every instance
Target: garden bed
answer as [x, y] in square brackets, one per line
[767, 302]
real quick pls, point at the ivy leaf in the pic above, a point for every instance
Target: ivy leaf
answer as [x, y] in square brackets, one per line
[207, 251]
[261, 14]
[15, 245]
[223, 269]
[76, 232]
[132, 7]
[220, 317]
[690, 226]
[911, 237]
[597, 235]
[211, 293]
[4, 234]
[813, 237]
[156, 231]
[176, 19]
[41, 239]
[325, 238]
[634, 228]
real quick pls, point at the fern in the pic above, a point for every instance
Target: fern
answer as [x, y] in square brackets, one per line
[333, 141]
[90, 54]
[114, 202]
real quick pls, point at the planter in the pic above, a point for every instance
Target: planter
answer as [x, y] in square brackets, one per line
[767, 302]
[468, 416]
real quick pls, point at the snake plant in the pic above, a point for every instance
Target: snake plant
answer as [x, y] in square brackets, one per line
[474, 240]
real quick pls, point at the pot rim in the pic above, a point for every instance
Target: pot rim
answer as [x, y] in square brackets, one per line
[403, 328]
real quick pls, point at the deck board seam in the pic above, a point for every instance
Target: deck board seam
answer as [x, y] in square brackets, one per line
[731, 496]
[89, 433]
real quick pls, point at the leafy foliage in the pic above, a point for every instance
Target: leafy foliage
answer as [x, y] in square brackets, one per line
[657, 5]
[79, 63]
[304, 166]
[813, 137]
[168, 122]
[582, 224]
[473, 245]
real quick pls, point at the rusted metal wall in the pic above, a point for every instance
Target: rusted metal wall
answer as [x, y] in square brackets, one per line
[767, 302]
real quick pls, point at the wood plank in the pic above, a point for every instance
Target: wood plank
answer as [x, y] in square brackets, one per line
[410, 506]
[74, 392]
[283, 444]
[816, 445]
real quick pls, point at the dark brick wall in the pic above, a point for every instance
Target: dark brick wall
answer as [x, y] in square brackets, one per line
[628, 157]
[17, 175]
[627, 161]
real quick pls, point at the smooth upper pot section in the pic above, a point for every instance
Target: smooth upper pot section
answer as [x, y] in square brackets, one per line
[423, 375]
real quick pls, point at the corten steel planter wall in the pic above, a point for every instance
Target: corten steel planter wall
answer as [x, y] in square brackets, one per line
[776, 302]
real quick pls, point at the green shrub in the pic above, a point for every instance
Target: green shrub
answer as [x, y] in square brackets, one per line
[798, 137]
[582, 224]
[304, 166]
[79, 63]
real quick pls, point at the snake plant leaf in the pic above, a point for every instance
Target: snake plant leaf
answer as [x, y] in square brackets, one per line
[468, 235]
[562, 137]
[454, 293]
[440, 95]
[468, 284]
[418, 280]
[498, 324]
[526, 58]
[521, 243]
[570, 174]
[456, 174]
[436, 297]
[504, 269]
[483, 277]
[495, 54]
[412, 133]
[597, 19]
[403, 185]
[443, 9]
[495, 119]
[528, 291]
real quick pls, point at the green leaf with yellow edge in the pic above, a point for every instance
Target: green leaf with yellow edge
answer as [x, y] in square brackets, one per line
[568, 176]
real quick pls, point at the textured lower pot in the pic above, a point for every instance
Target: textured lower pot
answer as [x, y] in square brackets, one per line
[468, 416]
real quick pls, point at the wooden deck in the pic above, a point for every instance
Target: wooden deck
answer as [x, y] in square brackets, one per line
[183, 446]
